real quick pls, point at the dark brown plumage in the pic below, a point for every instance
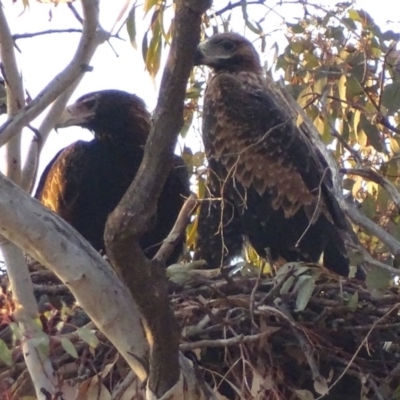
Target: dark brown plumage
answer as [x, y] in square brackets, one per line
[278, 183]
[86, 180]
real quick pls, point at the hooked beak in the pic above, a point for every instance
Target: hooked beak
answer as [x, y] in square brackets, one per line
[74, 115]
[200, 54]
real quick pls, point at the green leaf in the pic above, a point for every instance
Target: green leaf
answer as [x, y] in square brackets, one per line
[349, 23]
[353, 88]
[297, 47]
[131, 26]
[311, 61]
[372, 132]
[353, 302]
[368, 207]
[69, 347]
[88, 336]
[378, 279]
[391, 97]
[295, 28]
[348, 183]
[5, 353]
[305, 292]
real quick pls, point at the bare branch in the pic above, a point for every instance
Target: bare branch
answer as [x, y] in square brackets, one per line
[376, 177]
[55, 244]
[26, 314]
[53, 31]
[373, 228]
[92, 36]
[64, 85]
[231, 6]
[15, 96]
[233, 341]
[178, 229]
[132, 216]
[46, 32]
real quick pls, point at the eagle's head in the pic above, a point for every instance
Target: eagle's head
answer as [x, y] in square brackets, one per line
[108, 113]
[229, 52]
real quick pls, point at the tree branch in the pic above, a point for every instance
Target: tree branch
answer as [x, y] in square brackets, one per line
[374, 176]
[133, 215]
[62, 87]
[50, 32]
[92, 36]
[361, 220]
[55, 244]
[231, 6]
[26, 312]
[178, 230]
[15, 96]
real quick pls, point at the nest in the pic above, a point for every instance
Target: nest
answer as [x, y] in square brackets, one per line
[302, 334]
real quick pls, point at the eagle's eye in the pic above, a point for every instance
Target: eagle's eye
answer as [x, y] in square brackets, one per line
[227, 45]
[90, 103]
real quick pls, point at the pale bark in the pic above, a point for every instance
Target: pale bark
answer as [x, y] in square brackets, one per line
[15, 97]
[55, 244]
[33, 340]
[92, 36]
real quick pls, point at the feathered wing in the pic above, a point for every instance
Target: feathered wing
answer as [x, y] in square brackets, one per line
[57, 188]
[85, 181]
[280, 186]
[219, 231]
[72, 186]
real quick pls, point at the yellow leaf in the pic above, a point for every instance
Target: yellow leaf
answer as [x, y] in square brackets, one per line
[320, 85]
[356, 120]
[342, 90]
[149, 4]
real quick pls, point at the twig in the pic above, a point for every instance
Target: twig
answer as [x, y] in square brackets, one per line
[376, 177]
[275, 290]
[223, 342]
[376, 230]
[252, 297]
[396, 306]
[122, 387]
[231, 6]
[52, 31]
[46, 32]
[75, 12]
[178, 229]
[303, 341]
